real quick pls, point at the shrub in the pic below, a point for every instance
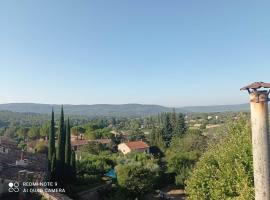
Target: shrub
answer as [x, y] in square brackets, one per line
[41, 147]
[137, 174]
[225, 171]
[182, 155]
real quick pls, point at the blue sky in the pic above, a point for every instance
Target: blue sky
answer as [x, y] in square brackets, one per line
[173, 53]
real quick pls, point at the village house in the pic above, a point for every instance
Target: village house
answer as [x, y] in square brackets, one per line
[134, 146]
[16, 165]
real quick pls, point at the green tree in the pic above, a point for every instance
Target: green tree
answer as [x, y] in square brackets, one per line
[22, 132]
[73, 166]
[34, 132]
[94, 164]
[156, 138]
[137, 174]
[173, 118]
[180, 126]
[67, 145]
[167, 132]
[45, 130]
[225, 171]
[68, 153]
[53, 167]
[41, 147]
[51, 149]
[183, 153]
[60, 156]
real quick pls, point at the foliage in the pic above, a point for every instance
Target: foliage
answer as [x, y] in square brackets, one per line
[73, 167]
[167, 132]
[156, 139]
[34, 132]
[67, 145]
[51, 148]
[137, 174]
[180, 126]
[94, 165]
[97, 133]
[41, 147]
[45, 130]
[225, 171]
[62, 161]
[183, 153]
[181, 165]
[191, 141]
[93, 148]
[60, 153]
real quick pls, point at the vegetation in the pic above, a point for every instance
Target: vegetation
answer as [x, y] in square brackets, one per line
[61, 160]
[52, 150]
[225, 171]
[137, 174]
[179, 152]
[125, 110]
[183, 153]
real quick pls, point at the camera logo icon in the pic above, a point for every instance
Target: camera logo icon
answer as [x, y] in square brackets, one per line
[13, 187]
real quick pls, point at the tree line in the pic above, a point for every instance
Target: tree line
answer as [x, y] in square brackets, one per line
[170, 125]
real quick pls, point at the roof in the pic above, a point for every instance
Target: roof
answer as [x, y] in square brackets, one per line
[79, 142]
[256, 85]
[7, 142]
[137, 145]
[37, 163]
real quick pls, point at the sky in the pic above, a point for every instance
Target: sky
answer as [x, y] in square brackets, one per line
[172, 53]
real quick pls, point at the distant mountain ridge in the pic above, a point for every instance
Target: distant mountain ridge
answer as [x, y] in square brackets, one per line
[125, 110]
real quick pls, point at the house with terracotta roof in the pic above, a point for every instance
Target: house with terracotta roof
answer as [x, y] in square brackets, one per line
[134, 146]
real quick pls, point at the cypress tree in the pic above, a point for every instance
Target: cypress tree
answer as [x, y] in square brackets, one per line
[68, 153]
[67, 145]
[167, 131]
[73, 165]
[60, 156]
[173, 119]
[61, 139]
[180, 127]
[53, 166]
[51, 149]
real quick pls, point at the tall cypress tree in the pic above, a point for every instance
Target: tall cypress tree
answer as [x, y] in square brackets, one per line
[53, 166]
[180, 127]
[61, 138]
[67, 165]
[73, 165]
[51, 149]
[60, 156]
[173, 119]
[167, 132]
[68, 145]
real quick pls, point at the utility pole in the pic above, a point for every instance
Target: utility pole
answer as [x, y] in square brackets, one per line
[260, 138]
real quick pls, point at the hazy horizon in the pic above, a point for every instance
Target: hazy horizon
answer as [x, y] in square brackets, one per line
[169, 106]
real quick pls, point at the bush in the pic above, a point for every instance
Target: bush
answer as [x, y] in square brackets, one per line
[182, 155]
[225, 171]
[181, 165]
[93, 165]
[137, 174]
[41, 147]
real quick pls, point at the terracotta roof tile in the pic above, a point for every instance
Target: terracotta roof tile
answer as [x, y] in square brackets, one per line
[137, 145]
[79, 142]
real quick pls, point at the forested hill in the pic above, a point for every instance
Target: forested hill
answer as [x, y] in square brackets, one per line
[124, 110]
